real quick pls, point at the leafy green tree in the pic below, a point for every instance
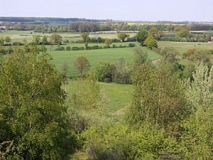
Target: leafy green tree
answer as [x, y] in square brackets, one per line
[85, 36]
[151, 42]
[44, 40]
[105, 71]
[196, 139]
[55, 38]
[36, 39]
[122, 36]
[2, 41]
[32, 108]
[140, 56]
[7, 39]
[158, 98]
[81, 64]
[88, 104]
[141, 36]
[200, 89]
[154, 32]
[183, 33]
[108, 42]
[169, 54]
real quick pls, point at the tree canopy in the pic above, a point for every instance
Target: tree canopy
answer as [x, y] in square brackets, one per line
[81, 64]
[141, 36]
[34, 118]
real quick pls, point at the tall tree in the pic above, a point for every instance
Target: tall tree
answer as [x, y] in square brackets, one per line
[141, 36]
[81, 64]
[32, 108]
[55, 38]
[140, 56]
[108, 42]
[122, 36]
[150, 42]
[158, 98]
[85, 36]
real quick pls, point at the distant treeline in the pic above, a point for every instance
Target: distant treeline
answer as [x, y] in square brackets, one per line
[46, 19]
[44, 25]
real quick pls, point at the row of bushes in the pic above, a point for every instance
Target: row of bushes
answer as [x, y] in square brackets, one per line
[4, 51]
[178, 39]
[74, 48]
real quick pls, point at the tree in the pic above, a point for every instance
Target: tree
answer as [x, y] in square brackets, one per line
[44, 40]
[32, 108]
[108, 42]
[36, 39]
[122, 36]
[81, 64]
[158, 98]
[154, 32]
[183, 33]
[151, 42]
[2, 41]
[141, 36]
[7, 39]
[55, 38]
[105, 71]
[85, 36]
[169, 54]
[64, 68]
[200, 89]
[140, 56]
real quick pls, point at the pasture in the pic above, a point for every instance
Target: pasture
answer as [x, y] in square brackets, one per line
[184, 46]
[118, 95]
[113, 55]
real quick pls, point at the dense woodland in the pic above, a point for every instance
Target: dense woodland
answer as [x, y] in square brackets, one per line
[169, 117]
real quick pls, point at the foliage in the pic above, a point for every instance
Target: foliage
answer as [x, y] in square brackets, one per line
[154, 32]
[158, 98]
[122, 75]
[183, 33]
[88, 104]
[141, 36]
[55, 38]
[85, 36]
[81, 64]
[140, 56]
[32, 108]
[151, 42]
[121, 142]
[201, 55]
[108, 42]
[169, 54]
[122, 36]
[105, 71]
[200, 89]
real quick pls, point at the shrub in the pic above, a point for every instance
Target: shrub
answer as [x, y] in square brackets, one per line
[17, 43]
[60, 49]
[131, 44]
[68, 48]
[77, 48]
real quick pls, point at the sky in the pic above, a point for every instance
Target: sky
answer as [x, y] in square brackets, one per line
[126, 10]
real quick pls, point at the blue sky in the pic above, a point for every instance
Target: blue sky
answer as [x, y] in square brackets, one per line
[142, 10]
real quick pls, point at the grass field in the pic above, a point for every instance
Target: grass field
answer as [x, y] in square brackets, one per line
[119, 95]
[28, 35]
[184, 46]
[94, 56]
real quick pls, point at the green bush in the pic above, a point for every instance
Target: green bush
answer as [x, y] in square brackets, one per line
[131, 44]
[68, 48]
[60, 49]
[77, 48]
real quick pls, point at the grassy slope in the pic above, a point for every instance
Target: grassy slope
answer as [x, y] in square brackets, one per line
[119, 95]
